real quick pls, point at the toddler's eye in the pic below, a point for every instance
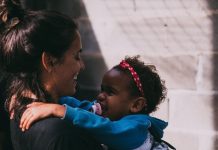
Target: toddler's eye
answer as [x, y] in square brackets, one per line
[110, 92]
[107, 90]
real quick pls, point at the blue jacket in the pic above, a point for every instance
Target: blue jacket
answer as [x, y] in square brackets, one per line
[127, 133]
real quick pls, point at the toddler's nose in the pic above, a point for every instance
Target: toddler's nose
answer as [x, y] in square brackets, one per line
[101, 97]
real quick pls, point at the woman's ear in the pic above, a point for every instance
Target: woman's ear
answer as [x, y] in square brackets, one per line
[47, 61]
[138, 104]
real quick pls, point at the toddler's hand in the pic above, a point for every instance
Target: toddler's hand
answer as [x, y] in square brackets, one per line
[35, 111]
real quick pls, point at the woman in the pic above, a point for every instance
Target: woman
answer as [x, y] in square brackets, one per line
[40, 50]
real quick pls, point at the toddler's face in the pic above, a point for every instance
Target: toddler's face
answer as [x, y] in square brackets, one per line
[114, 98]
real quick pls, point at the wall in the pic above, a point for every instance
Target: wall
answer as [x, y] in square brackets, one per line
[179, 37]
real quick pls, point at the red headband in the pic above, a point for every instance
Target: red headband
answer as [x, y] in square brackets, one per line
[135, 76]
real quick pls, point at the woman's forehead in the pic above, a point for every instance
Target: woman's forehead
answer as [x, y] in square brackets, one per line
[76, 45]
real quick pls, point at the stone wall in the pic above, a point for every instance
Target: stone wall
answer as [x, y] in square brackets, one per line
[179, 37]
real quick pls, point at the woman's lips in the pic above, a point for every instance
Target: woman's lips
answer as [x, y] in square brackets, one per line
[75, 76]
[75, 79]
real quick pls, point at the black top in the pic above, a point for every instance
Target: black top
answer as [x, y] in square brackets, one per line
[4, 119]
[52, 134]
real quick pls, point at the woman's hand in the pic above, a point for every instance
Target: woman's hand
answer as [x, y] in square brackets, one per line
[38, 110]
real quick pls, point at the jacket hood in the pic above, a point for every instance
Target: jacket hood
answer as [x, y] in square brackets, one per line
[157, 127]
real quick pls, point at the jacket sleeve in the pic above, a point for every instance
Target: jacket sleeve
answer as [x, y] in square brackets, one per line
[75, 103]
[127, 133]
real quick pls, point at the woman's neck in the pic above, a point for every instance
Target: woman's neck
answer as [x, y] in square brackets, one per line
[48, 86]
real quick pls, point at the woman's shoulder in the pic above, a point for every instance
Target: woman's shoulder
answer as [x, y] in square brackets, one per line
[52, 124]
[54, 132]
[44, 129]
[46, 125]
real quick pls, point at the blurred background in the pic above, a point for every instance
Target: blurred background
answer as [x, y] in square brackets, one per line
[180, 37]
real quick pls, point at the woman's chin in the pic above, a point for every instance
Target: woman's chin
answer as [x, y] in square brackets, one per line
[73, 89]
[72, 92]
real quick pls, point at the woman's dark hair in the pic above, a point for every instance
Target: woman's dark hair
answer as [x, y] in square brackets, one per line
[24, 36]
[153, 87]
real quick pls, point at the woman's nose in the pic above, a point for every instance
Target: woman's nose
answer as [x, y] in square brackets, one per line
[82, 65]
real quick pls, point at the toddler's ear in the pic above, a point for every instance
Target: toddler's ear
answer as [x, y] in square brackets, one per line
[138, 105]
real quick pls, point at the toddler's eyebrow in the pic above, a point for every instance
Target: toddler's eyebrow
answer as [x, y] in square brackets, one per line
[106, 87]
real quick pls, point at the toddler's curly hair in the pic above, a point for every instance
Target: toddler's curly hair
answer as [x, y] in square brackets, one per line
[153, 86]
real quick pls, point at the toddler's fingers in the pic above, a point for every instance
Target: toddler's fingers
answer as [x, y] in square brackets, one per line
[25, 123]
[29, 123]
[25, 117]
